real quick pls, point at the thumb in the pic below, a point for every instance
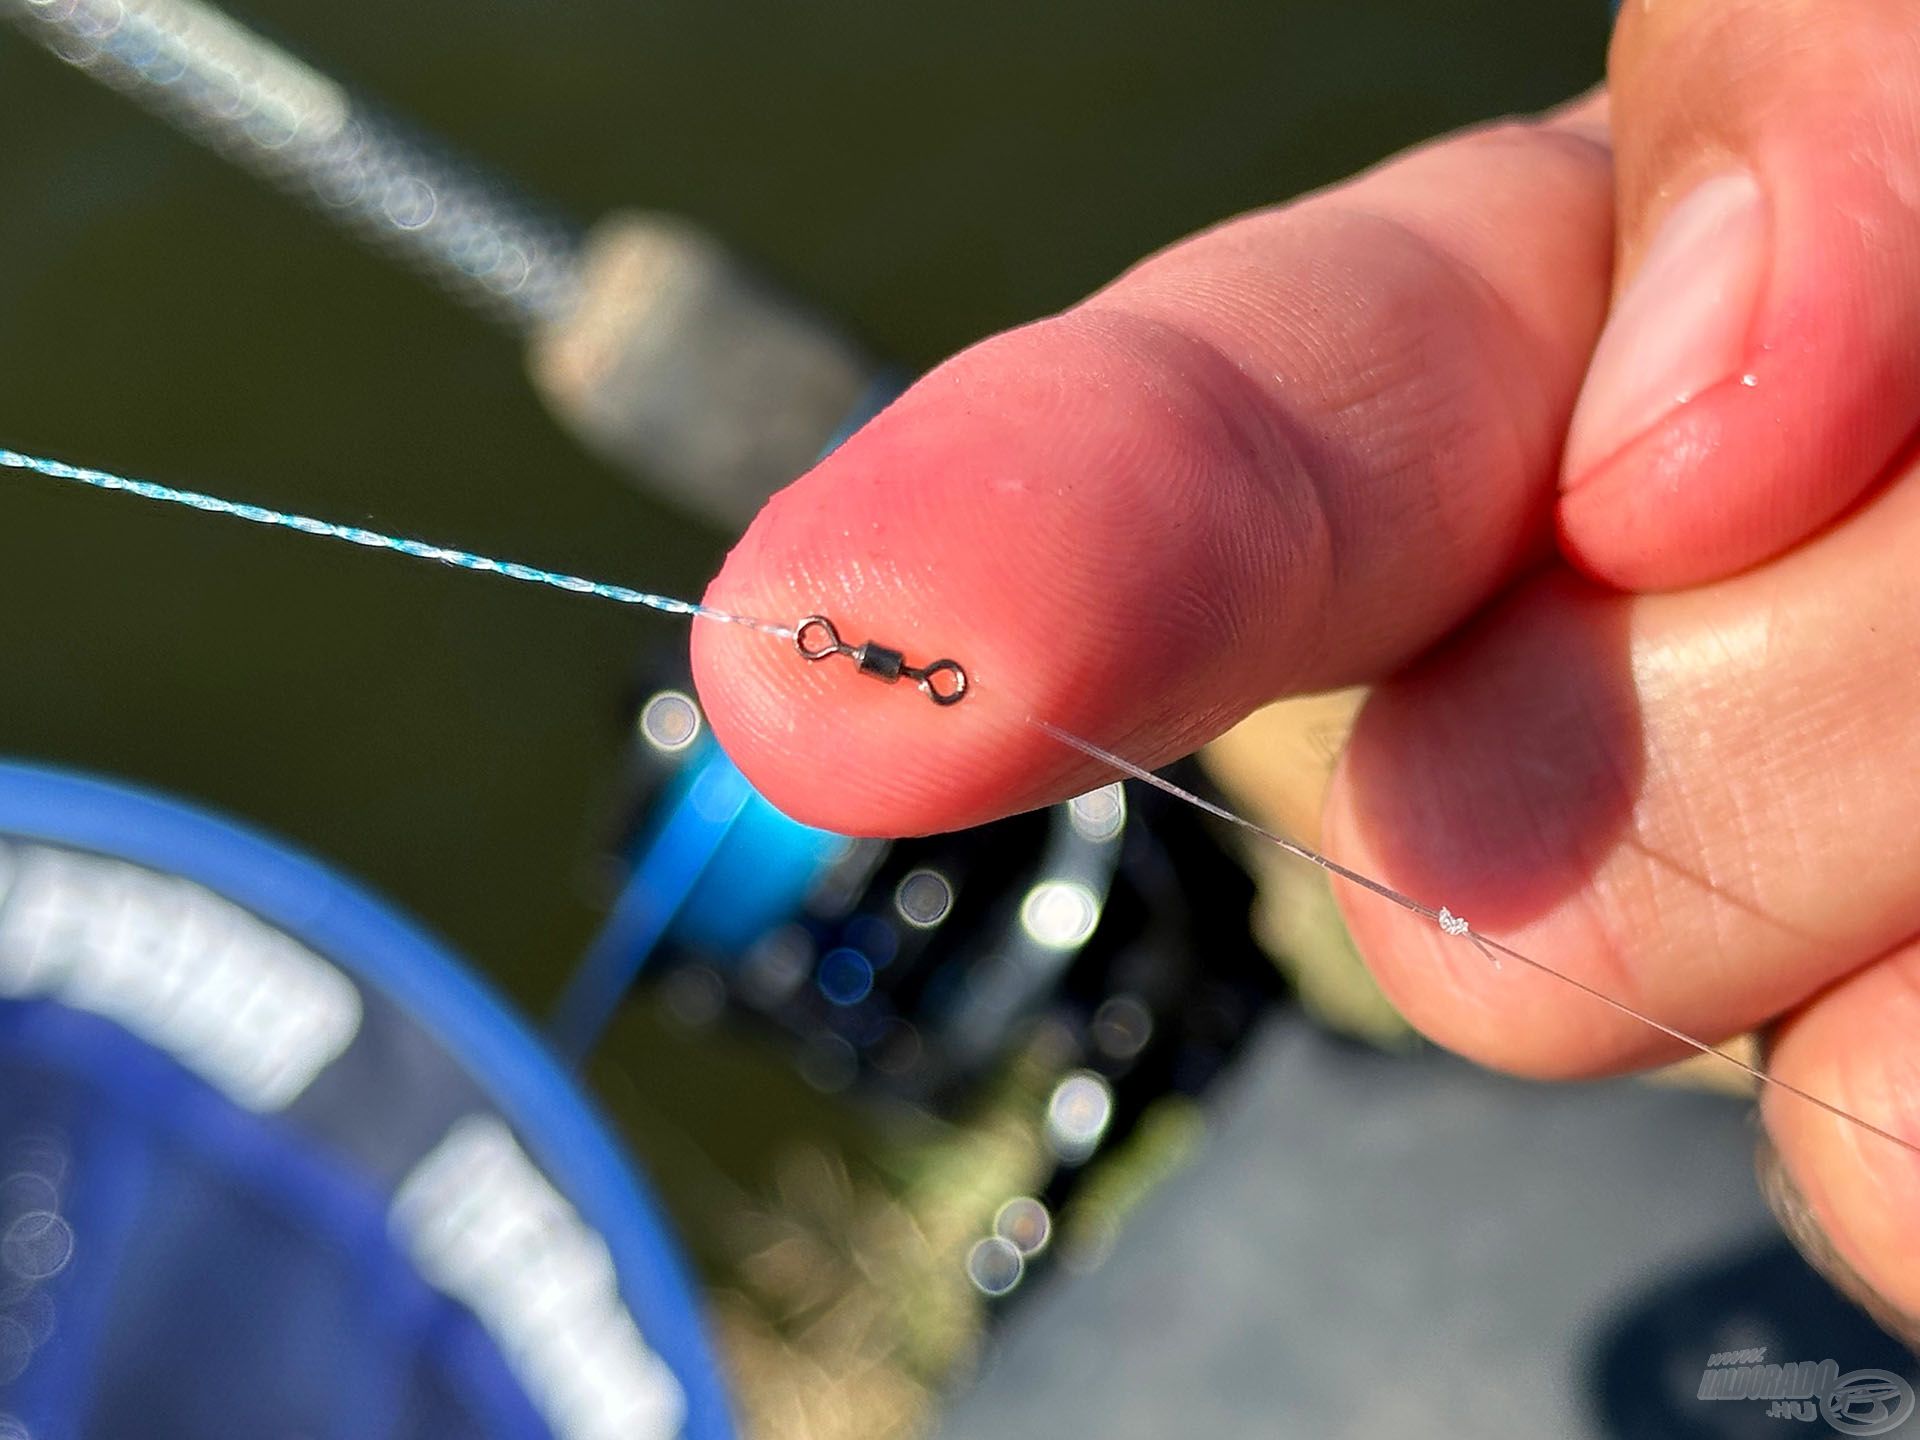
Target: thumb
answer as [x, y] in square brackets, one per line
[1284, 455]
[1761, 366]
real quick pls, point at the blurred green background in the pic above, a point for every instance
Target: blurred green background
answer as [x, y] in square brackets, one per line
[926, 171]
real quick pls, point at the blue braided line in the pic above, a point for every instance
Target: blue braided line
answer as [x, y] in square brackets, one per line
[373, 539]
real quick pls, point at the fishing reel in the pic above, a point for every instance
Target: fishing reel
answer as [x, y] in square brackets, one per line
[1095, 955]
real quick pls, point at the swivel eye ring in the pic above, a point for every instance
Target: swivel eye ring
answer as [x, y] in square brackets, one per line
[943, 681]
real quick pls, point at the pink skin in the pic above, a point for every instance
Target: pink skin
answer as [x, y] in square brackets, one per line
[1744, 469]
[1338, 442]
[1240, 469]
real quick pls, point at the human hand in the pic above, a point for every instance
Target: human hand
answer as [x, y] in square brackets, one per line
[1641, 624]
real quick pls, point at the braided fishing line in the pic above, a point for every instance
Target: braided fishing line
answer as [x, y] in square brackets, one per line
[375, 540]
[943, 681]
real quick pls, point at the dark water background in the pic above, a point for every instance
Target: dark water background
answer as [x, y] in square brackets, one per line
[927, 170]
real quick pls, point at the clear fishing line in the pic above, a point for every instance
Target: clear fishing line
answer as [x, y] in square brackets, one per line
[1457, 927]
[943, 681]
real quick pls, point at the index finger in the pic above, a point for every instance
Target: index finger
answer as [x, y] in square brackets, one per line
[1284, 455]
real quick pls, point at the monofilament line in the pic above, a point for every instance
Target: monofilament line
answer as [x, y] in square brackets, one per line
[1455, 927]
[1450, 924]
[374, 539]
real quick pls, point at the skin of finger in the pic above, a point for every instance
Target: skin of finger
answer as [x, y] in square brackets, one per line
[1821, 102]
[1283, 455]
[1698, 803]
[1855, 1043]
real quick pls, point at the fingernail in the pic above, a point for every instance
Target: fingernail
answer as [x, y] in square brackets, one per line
[1682, 322]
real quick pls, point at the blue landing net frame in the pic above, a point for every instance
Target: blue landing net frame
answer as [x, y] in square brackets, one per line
[302, 1240]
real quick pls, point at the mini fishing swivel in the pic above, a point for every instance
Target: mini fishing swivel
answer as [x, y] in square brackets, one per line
[944, 682]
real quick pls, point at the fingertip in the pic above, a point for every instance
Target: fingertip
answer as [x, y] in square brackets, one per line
[1046, 511]
[1757, 374]
[1752, 466]
[1589, 116]
[1474, 1001]
[822, 742]
[1236, 471]
[1703, 495]
[1491, 779]
[1852, 1047]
